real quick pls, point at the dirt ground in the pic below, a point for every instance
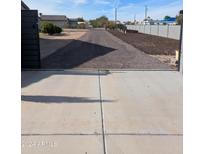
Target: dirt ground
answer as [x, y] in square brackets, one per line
[66, 34]
[99, 49]
[149, 44]
[167, 59]
[51, 43]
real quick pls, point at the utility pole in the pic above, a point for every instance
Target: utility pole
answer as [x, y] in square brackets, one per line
[146, 9]
[115, 15]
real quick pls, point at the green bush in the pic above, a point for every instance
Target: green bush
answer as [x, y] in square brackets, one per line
[122, 27]
[57, 29]
[47, 27]
[50, 28]
[111, 25]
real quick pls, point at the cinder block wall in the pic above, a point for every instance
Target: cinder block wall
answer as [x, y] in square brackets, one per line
[168, 31]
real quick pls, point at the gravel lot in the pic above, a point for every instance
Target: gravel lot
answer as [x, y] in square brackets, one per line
[98, 49]
[51, 43]
[149, 44]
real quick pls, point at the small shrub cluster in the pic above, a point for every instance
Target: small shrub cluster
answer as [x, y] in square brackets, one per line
[111, 26]
[57, 29]
[122, 27]
[50, 28]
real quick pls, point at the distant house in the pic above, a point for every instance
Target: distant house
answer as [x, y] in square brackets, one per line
[169, 21]
[148, 21]
[73, 22]
[118, 22]
[81, 22]
[58, 20]
[130, 22]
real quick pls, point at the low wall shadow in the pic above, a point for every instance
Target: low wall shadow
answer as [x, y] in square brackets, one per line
[30, 77]
[74, 54]
[61, 99]
[50, 46]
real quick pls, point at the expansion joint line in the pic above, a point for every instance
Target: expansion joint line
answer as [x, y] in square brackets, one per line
[102, 114]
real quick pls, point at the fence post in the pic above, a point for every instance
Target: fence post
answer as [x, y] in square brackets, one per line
[144, 29]
[150, 29]
[180, 62]
[167, 30]
[158, 30]
[140, 26]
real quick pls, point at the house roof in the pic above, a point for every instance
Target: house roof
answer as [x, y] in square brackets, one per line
[169, 20]
[73, 19]
[53, 17]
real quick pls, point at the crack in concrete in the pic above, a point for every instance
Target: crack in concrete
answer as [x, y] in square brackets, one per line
[102, 114]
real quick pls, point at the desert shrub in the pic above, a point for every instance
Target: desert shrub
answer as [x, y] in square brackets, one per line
[50, 28]
[99, 22]
[122, 27]
[57, 29]
[111, 25]
[47, 27]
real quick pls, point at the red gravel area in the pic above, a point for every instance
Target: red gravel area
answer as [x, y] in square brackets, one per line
[149, 44]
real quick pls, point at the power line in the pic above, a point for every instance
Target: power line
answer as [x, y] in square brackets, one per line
[116, 3]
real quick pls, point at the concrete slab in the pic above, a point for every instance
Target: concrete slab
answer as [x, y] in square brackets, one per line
[65, 102]
[62, 145]
[147, 102]
[144, 145]
[61, 112]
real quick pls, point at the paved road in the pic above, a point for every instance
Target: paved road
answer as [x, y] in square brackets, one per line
[96, 112]
[100, 49]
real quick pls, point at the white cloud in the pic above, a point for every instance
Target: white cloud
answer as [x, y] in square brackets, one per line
[103, 2]
[128, 11]
[172, 10]
[58, 7]
[59, 1]
[78, 2]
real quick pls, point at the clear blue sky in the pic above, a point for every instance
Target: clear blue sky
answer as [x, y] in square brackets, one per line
[90, 9]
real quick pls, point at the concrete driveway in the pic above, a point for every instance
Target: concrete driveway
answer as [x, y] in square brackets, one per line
[101, 112]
